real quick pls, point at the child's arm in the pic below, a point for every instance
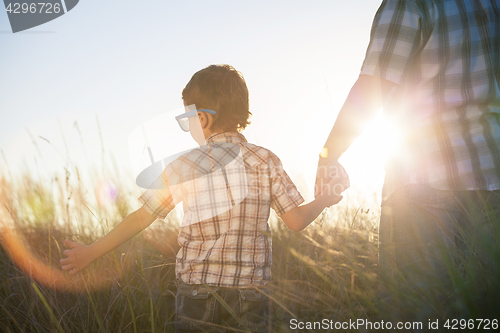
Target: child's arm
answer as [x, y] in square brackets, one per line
[300, 217]
[81, 256]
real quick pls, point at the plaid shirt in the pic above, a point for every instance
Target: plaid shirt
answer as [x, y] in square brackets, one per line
[225, 237]
[445, 58]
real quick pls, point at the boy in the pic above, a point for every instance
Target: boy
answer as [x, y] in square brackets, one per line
[225, 238]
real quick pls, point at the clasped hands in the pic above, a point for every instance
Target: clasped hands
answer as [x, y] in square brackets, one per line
[331, 179]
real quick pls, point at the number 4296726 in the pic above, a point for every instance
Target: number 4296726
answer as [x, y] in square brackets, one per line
[485, 324]
[40, 7]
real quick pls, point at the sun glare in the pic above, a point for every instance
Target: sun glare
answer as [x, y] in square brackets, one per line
[365, 159]
[391, 137]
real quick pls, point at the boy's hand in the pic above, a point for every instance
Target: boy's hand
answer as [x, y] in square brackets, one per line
[331, 176]
[77, 259]
[300, 217]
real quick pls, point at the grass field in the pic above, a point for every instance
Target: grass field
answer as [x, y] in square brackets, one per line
[328, 271]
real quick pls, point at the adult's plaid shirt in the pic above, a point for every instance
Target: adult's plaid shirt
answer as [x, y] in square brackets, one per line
[225, 237]
[444, 56]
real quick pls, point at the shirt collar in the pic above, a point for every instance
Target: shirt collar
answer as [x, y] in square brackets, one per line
[233, 137]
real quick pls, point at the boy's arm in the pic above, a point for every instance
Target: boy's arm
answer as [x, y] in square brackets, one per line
[300, 217]
[81, 256]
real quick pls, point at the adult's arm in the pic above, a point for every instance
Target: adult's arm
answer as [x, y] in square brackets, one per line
[360, 108]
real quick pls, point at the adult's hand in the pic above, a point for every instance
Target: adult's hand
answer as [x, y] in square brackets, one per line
[333, 174]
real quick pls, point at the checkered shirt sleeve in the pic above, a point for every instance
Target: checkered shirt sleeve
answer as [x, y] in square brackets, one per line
[284, 194]
[395, 39]
[158, 200]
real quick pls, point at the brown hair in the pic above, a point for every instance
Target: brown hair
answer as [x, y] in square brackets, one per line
[223, 89]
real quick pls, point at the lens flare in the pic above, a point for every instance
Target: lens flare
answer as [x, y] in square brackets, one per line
[106, 192]
[43, 273]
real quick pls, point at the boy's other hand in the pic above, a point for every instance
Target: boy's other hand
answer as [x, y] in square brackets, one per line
[77, 257]
[331, 177]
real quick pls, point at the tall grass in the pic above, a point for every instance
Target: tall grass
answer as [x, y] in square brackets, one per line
[328, 271]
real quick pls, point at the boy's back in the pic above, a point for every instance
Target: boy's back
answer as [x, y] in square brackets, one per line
[225, 236]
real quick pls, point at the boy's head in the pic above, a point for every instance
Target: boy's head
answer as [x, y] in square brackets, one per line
[223, 89]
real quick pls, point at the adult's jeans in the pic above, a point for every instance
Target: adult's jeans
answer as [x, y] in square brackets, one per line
[431, 242]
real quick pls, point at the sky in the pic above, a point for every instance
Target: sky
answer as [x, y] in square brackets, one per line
[74, 91]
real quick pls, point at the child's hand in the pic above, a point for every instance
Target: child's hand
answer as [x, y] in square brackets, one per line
[77, 257]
